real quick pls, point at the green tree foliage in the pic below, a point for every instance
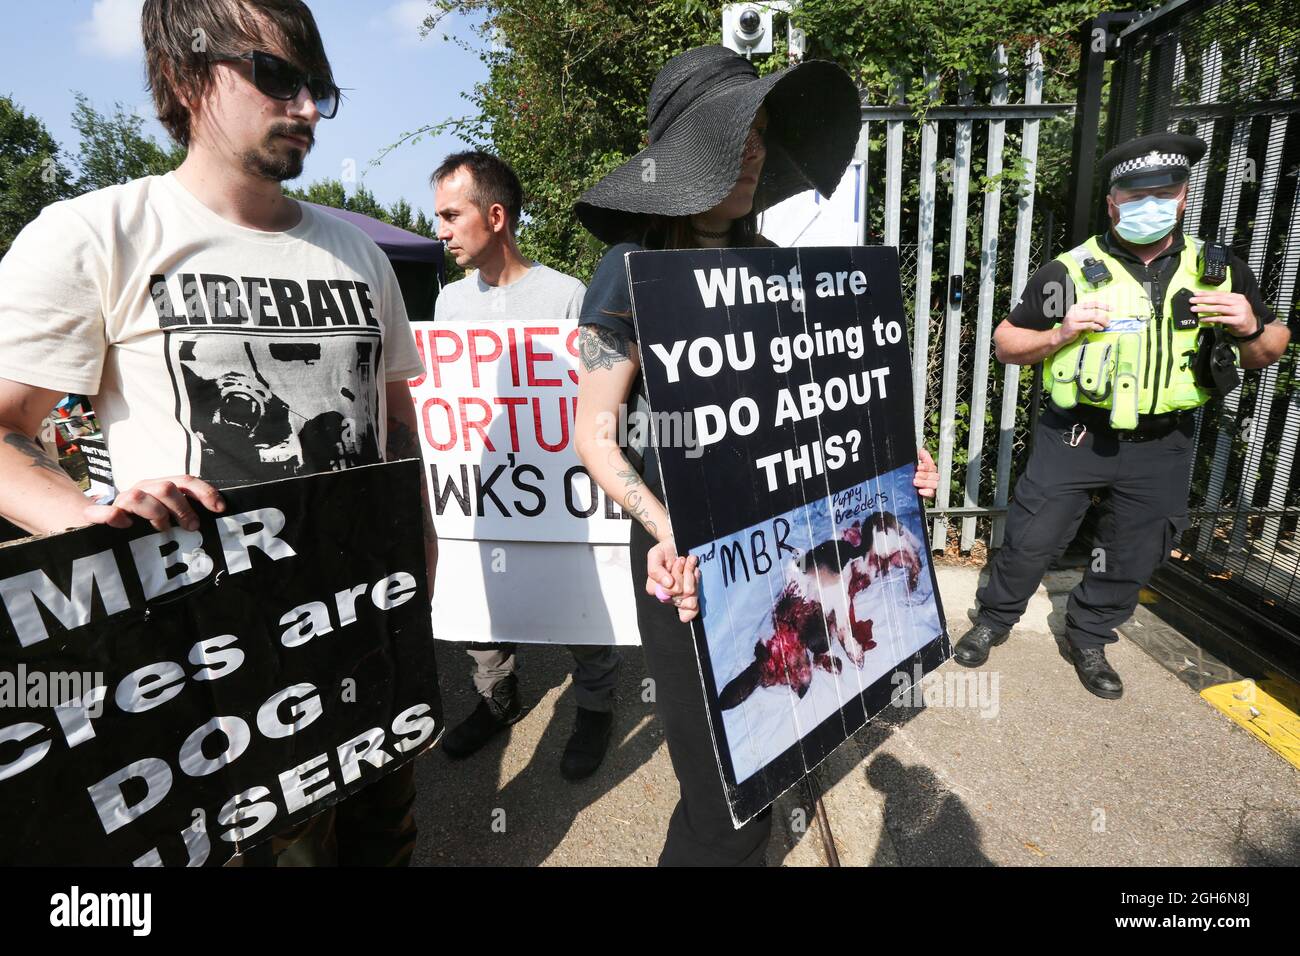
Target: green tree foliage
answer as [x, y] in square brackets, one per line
[400, 214]
[115, 149]
[888, 45]
[325, 192]
[567, 82]
[364, 202]
[32, 174]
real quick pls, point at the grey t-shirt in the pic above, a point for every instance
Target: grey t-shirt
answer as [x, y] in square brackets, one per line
[541, 293]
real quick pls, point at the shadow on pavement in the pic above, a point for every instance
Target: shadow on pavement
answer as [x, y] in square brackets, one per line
[1285, 851]
[924, 822]
[927, 824]
[468, 817]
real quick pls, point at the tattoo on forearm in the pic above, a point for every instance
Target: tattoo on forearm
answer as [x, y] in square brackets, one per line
[599, 347]
[634, 499]
[31, 449]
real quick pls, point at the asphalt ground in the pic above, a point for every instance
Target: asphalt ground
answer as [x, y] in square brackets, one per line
[1013, 764]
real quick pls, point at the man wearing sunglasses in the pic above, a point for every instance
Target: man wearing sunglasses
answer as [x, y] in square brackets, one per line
[227, 333]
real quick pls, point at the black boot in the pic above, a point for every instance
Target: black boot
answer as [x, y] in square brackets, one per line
[1095, 672]
[586, 747]
[973, 649]
[492, 715]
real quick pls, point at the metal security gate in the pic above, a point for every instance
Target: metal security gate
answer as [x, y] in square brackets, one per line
[1227, 72]
[951, 355]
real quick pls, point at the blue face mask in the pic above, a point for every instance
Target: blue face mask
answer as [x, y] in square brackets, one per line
[1147, 219]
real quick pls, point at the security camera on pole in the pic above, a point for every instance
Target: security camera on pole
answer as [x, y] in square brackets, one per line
[747, 28]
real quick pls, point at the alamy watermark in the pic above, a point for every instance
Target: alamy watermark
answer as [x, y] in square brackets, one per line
[976, 689]
[640, 429]
[22, 687]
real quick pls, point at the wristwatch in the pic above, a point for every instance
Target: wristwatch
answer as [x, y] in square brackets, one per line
[1259, 330]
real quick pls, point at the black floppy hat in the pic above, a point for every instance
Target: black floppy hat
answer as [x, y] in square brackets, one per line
[701, 107]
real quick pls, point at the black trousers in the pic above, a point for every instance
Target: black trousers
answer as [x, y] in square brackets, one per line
[1145, 507]
[374, 827]
[700, 832]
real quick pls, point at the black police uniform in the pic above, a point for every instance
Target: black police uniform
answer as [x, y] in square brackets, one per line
[1144, 471]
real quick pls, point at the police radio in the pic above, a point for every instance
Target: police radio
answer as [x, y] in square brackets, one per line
[1212, 263]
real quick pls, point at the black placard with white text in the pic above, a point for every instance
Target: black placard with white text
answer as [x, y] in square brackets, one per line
[176, 697]
[780, 384]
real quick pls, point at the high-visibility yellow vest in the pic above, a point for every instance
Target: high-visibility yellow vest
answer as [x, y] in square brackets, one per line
[1142, 364]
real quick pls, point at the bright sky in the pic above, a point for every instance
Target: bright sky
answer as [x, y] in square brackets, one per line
[393, 81]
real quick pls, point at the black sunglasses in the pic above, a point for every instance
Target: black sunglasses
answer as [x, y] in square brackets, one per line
[281, 80]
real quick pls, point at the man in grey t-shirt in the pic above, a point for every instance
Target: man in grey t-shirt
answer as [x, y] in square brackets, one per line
[478, 198]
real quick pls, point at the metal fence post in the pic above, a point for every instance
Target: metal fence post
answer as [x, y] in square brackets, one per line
[1260, 232]
[952, 309]
[1230, 402]
[893, 172]
[984, 309]
[1019, 275]
[924, 258]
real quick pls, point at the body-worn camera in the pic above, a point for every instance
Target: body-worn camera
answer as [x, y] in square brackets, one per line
[1096, 271]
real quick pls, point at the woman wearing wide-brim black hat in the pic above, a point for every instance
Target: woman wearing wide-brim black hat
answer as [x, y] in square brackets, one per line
[724, 144]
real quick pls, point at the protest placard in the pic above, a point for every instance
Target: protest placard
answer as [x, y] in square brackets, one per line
[818, 597]
[496, 407]
[519, 519]
[171, 698]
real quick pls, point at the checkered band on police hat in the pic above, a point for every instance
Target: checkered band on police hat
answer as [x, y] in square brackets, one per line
[1151, 161]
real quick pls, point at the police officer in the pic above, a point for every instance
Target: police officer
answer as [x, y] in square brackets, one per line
[1135, 328]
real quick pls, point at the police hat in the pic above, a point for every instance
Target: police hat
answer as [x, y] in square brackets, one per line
[1157, 159]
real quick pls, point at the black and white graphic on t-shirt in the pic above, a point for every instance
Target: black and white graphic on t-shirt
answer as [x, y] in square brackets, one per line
[277, 389]
[260, 406]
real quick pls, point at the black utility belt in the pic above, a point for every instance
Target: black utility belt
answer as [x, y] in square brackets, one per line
[1098, 420]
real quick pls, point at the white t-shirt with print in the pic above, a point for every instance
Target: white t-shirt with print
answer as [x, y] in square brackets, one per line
[208, 348]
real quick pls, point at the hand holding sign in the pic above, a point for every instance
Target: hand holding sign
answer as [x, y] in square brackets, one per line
[158, 501]
[673, 579]
[926, 479]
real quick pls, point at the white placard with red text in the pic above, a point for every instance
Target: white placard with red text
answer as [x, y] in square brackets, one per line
[531, 550]
[496, 410]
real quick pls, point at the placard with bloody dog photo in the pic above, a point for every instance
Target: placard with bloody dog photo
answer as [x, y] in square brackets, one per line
[794, 490]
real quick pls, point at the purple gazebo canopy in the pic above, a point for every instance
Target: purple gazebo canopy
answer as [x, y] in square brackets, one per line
[398, 244]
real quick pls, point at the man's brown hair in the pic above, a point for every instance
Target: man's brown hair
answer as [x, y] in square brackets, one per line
[181, 35]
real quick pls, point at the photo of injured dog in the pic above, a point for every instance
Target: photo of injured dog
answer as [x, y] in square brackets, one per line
[819, 607]
[844, 595]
